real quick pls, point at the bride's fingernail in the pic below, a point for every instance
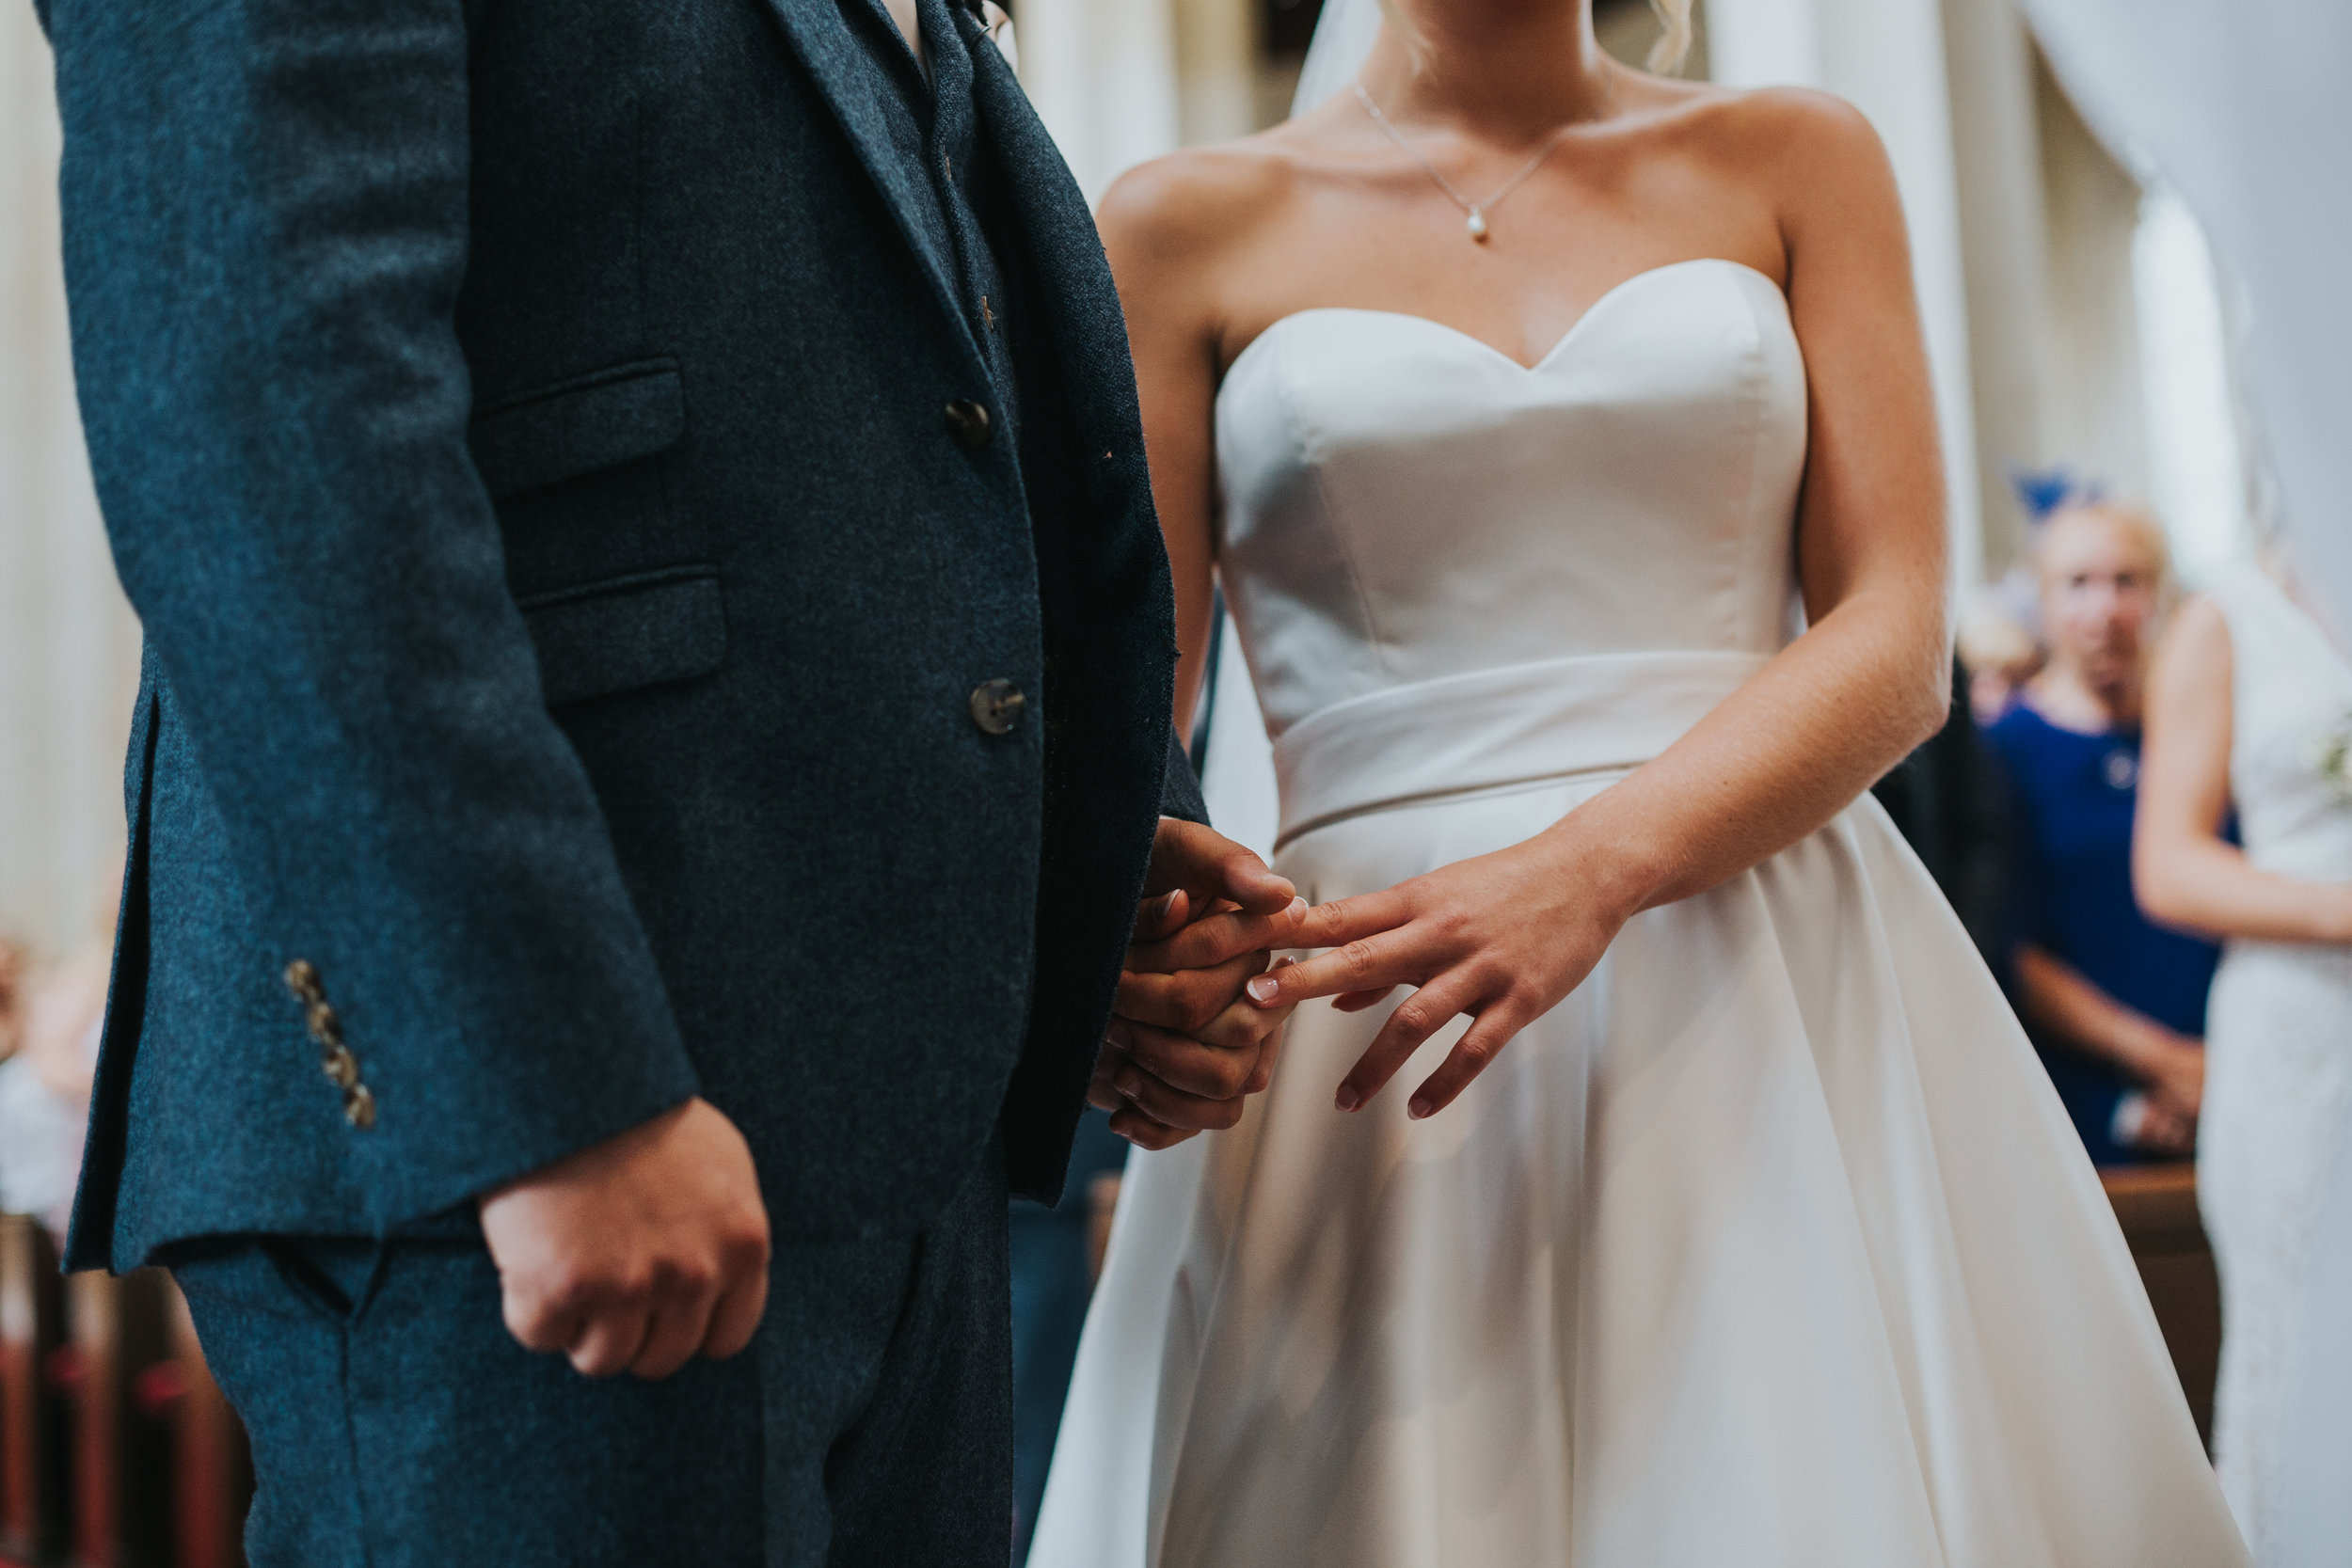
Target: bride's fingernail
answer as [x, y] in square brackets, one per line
[1418, 1108]
[1297, 909]
[1347, 1098]
[1263, 988]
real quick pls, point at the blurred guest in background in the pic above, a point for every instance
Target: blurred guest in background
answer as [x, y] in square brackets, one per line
[2115, 1004]
[2250, 707]
[50, 1020]
[1997, 650]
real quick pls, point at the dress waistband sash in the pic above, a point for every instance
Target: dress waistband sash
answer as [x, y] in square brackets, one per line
[1519, 725]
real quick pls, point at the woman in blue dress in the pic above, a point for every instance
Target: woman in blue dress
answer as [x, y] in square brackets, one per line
[2115, 1001]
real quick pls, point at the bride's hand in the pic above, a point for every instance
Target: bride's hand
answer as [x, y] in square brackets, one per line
[1502, 938]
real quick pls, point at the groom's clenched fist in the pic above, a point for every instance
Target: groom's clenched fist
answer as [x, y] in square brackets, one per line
[639, 1252]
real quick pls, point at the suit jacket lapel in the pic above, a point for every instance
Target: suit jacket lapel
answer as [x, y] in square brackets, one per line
[1088, 328]
[832, 55]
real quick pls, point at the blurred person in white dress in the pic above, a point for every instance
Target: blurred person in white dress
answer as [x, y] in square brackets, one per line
[1562, 438]
[2250, 708]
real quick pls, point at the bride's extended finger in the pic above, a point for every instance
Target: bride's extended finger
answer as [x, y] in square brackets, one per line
[1376, 962]
[1406, 1030]
[1479, 1045]
[1345, 920]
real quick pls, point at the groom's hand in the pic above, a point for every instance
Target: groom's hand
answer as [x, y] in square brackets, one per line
[639, 1252]
[1184, 1050]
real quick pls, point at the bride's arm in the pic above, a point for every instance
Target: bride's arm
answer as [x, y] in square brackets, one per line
[1167, 227]
[2185, 872]
[1506, 936]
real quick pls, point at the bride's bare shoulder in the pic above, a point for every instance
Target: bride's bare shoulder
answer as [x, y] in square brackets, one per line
[1798, 135]
[1193, 205]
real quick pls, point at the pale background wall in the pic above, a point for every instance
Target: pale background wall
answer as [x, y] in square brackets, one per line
[68, 646]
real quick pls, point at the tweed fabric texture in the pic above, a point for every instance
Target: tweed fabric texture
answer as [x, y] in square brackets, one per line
[519, 426]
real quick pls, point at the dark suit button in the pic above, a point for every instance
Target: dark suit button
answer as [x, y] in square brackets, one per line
[968, 422]
[997, 707]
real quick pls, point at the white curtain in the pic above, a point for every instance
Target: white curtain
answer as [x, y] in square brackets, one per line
[2245, 110]
[69, 648]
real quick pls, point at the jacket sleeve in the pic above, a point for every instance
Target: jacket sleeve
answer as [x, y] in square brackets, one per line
[265, 228]
[1180, 789]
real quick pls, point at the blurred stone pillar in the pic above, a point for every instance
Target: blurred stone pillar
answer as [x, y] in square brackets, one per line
[1216, 69]
[69, 647]
[1887, 58]
[2004, 252]
[1103, 74]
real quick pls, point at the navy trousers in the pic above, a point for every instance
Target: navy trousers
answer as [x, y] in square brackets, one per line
[395, 1423]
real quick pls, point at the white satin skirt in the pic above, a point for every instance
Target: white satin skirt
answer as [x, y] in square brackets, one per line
[1771, 1245]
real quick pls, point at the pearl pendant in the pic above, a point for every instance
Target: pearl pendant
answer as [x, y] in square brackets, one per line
[1477, 225]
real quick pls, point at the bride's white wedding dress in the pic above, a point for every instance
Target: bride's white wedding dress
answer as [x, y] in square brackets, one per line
[1770, 1245]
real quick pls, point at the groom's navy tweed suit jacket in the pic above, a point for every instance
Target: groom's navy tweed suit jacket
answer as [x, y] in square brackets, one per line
[541, 442]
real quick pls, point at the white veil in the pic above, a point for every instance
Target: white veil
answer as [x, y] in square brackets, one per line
[1342, 42]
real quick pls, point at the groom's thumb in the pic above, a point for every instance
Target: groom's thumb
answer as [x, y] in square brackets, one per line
[1213, 866]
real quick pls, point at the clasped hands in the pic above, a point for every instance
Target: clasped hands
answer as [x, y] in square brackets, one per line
[1500, 938]
[644, 1251]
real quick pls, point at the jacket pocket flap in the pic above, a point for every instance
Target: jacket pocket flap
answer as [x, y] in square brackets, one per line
[558, 433]
[616, 635]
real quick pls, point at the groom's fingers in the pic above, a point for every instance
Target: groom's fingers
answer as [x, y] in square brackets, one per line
[1142, 1132]
[1187, 855]
[1186, 1001]
[1184, 1063]
[679, 1328]
[1217, 939]
[1172, 1107]
[736, 1314]
[1159, 918]
[609, 1337]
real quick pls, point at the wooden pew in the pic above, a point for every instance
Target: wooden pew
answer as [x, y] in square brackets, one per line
[2156, 1206]
[122, 1454]
[35, 1502]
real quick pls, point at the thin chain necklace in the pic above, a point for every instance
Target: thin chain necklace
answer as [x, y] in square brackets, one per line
[1475, 212]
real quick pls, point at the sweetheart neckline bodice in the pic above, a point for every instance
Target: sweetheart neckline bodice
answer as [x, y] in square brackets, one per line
[1559, 347]
[1404, 503]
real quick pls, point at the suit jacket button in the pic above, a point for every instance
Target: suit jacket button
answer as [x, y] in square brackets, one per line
[997, 707]
[968, 422]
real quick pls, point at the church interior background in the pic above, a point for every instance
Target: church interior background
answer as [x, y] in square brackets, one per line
[2075, 321]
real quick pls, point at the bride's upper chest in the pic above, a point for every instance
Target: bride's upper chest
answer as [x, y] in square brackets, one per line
[1682, 372]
